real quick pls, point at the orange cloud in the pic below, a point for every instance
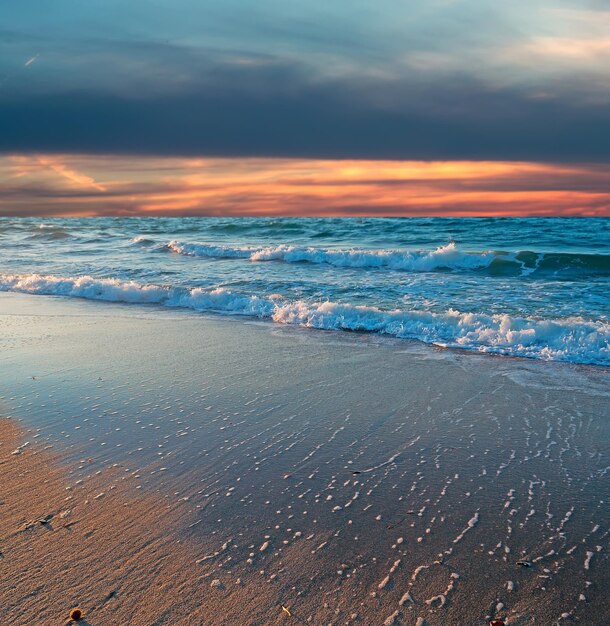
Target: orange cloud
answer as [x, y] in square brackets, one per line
[68, 185]
[26, 166]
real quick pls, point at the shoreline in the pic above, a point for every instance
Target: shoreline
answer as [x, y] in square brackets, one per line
[354, 481]
[569, 340]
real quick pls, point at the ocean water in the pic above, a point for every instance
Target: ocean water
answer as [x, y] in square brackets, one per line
[537, 288]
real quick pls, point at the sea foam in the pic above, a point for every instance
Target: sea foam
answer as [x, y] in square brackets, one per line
[443, 257]
[570, 339]
[447, 257]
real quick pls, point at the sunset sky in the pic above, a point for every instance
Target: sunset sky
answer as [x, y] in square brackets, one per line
[351, 107]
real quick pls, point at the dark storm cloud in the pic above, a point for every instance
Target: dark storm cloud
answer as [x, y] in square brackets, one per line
[280, 115]
[370, 80]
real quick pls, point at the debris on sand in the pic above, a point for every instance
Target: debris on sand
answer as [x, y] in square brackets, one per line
[76, 615]
[20, 449]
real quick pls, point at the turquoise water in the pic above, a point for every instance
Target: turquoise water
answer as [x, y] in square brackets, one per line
[528, 287]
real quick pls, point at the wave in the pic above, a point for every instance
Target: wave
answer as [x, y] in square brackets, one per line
[49, 232]
[570, 339]
[444, 257]
[448, 257]
[141, 240]
[263, 226]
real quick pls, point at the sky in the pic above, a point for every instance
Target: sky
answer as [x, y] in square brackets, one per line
[350, 107]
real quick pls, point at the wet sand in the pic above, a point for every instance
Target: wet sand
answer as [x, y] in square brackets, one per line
[246, 467]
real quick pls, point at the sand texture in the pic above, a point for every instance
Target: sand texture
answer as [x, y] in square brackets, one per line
[180, 469]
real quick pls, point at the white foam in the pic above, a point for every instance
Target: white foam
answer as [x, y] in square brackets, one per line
[472, 522]
[391, 619]
[443, 257]
[141, 239]
[406, 597]
[569, 339]
[588, 559]
[20, 449]
[417, 572]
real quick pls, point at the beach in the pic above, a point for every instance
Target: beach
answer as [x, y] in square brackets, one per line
[305, 313]
[169, 467]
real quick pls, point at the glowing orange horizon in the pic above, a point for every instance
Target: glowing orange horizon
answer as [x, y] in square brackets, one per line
[89, 185]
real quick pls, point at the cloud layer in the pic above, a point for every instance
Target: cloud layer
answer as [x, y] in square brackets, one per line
[104, 185]
[433, 79]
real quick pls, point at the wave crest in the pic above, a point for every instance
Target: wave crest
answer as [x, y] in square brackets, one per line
[447, 257]
[444, 257]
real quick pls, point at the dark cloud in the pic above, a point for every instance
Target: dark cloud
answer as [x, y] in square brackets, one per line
[427, 79]
[276, 112]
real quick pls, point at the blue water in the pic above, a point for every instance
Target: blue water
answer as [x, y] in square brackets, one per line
[527, 287]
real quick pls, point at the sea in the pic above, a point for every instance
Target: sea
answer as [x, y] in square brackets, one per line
[525, 287]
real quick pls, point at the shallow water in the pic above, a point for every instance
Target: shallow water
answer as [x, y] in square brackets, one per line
[529, 287]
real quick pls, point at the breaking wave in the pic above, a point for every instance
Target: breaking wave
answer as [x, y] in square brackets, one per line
[448, 257]
[570, 339]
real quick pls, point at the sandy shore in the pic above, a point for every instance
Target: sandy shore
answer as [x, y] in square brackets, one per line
[117, 553]
[246, 467]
